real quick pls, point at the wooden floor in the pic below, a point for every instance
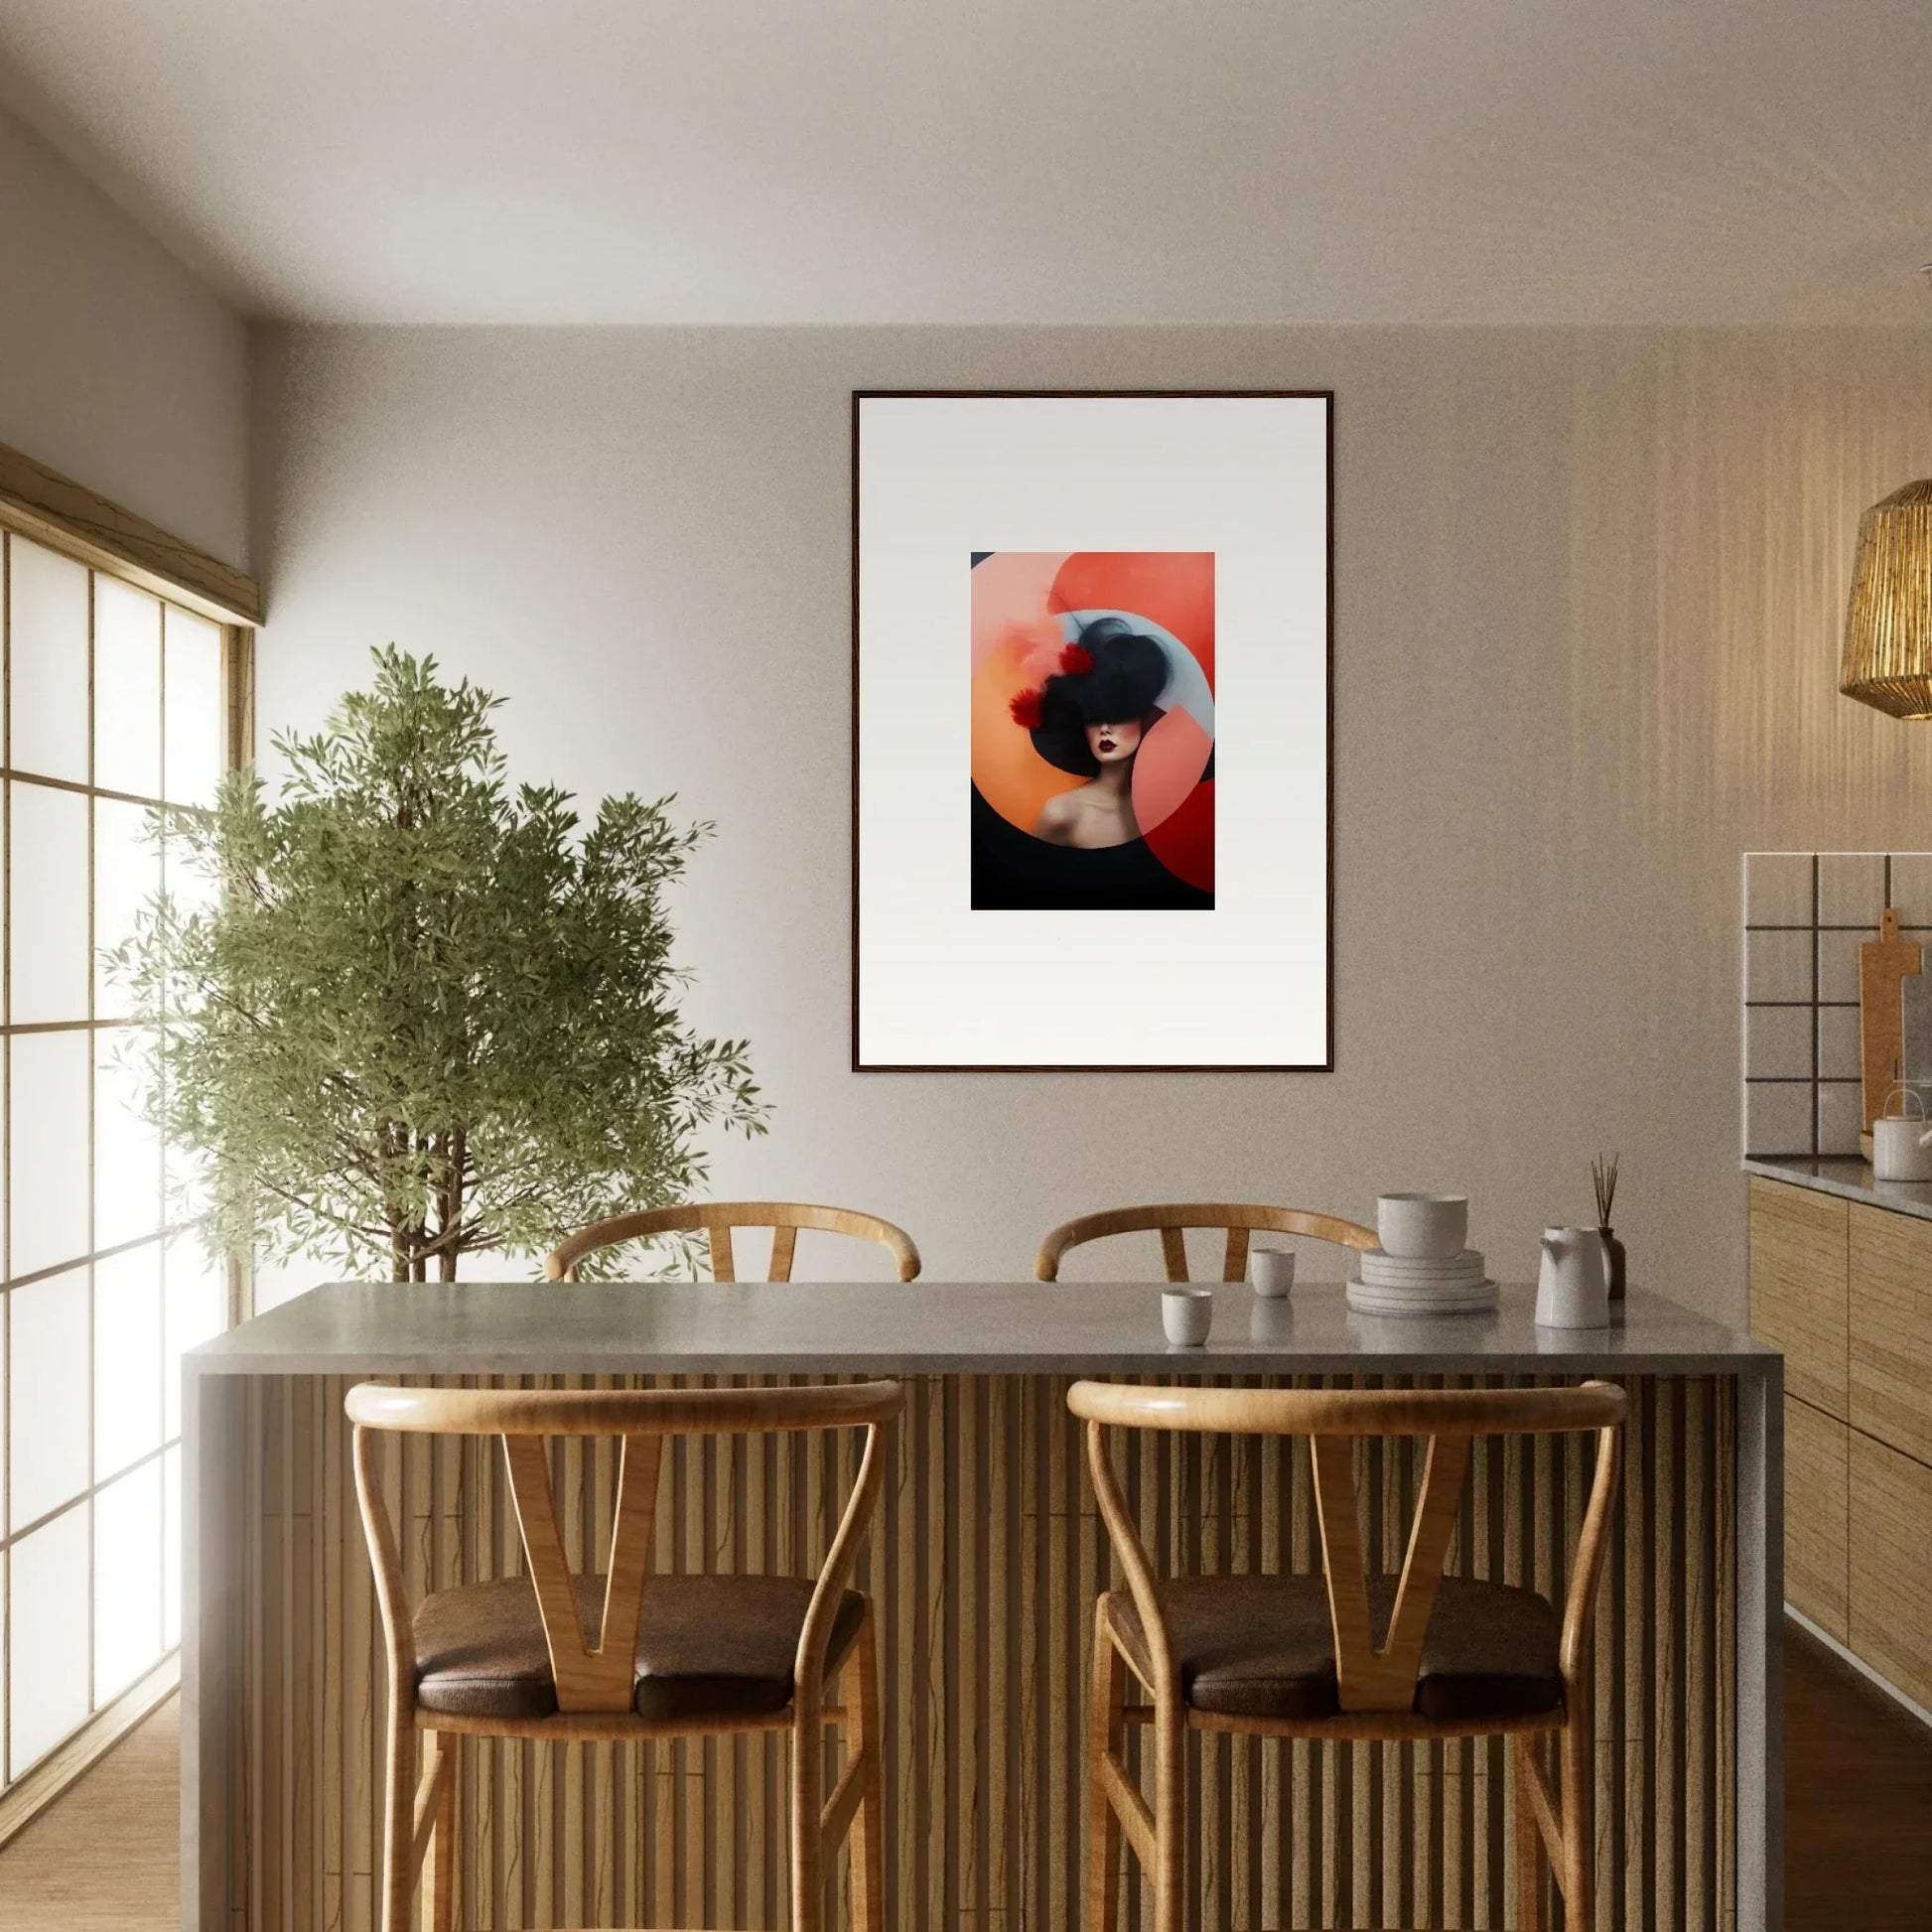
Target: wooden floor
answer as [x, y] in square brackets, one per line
[1857, 1781]
[105, 1856]
[1858, 1813]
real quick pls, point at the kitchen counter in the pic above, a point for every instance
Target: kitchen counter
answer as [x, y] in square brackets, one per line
[931, 1329]
[985, 1557]
[1849, 1178]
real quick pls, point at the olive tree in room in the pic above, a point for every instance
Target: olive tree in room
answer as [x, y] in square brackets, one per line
[406, 1012]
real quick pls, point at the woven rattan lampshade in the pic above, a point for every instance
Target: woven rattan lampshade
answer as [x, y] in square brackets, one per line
[1888, 628]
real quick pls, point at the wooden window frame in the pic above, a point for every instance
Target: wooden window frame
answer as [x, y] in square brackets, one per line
[45, 508]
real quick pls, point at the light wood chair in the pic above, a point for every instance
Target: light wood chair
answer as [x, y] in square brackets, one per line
[1173, 1219]
[555, 1656]
[1291, 1656]
[717, 1218]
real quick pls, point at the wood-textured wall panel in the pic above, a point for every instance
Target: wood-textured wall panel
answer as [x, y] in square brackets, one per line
[985, 1559]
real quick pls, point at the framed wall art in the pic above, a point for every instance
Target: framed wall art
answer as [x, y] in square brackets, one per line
[1092, 789]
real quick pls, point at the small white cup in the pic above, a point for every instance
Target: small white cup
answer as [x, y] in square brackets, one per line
[1272, 1271]
[1423, 1227]
[1187, 1314]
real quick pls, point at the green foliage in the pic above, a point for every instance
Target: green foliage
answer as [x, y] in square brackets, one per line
[423, 1017]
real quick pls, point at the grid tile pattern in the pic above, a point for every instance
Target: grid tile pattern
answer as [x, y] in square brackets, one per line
[115, 700]
[1806, 915]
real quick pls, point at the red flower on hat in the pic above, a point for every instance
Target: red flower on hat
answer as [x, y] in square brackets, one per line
[1077, 660]
[1026, 707]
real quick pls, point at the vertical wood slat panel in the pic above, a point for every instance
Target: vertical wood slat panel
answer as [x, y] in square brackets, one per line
[984, 1560]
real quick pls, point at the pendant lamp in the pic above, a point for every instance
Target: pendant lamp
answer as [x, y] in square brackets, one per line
[1887, 658]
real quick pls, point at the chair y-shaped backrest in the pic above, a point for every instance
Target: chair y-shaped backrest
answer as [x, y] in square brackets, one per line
[1373, 1674]
[1173, 1219]
[717, 1218]
[593, 1671]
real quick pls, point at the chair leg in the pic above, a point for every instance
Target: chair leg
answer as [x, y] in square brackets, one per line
[399, 1821]
[1106, 1734]
[1576, 1757]
[439, 1898]
[807, 1817]
[1169, 1812]
[1528, 1842]
[869, 1828]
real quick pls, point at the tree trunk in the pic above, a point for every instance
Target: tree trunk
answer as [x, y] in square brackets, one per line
[449, 1201]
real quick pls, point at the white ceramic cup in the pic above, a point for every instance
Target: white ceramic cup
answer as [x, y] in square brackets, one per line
[1272, 1271]
[1432, 1227]
[1187, 1314]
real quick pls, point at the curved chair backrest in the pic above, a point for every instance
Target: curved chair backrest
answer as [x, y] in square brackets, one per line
[598, 1677]
[1173, 1219]
[1371, 1676]
[717, 1218]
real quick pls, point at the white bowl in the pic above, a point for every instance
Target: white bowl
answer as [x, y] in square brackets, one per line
[1423, 1226]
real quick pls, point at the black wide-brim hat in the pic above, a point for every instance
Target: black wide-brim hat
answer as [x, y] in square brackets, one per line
[1121, 683]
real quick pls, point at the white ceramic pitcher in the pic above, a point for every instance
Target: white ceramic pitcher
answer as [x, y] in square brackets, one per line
[1574, 1289]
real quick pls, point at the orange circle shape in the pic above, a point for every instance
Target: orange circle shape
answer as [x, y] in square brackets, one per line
[1011, 776]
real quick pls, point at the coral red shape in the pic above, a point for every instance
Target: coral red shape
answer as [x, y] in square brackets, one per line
[1026, 708]
[1077, 660]
[1183, 842]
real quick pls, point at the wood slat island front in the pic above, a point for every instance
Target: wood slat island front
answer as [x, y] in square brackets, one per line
[985, 1559]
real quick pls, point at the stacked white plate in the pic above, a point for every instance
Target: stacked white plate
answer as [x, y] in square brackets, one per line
[1407, 1285]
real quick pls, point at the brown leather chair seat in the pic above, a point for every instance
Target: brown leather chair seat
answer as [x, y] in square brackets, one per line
[708, 1646]
[1263, 1647]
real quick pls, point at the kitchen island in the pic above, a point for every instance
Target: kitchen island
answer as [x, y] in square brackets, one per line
[985, 1557]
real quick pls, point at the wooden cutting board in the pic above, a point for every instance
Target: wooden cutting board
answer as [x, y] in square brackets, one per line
[1884, 963]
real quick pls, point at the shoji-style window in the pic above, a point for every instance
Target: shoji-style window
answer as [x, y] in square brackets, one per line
[117, 698]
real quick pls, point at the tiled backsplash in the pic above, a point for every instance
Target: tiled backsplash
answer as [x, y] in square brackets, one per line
[1806, 913]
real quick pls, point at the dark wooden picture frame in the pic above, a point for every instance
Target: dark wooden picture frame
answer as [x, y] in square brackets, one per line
[1327, 397]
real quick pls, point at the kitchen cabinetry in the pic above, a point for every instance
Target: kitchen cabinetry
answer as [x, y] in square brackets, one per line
[1799, 1284]
[1817, 1502]
[1891, 1329]
[1891, 1566]
[1844, 1286]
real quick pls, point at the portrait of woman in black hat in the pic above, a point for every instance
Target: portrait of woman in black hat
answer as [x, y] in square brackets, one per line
[1092, 715]
[1092, 739]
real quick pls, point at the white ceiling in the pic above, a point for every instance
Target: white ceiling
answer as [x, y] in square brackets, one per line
[845, 161]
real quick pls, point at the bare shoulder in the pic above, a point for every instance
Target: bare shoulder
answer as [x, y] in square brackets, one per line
[1057, 816]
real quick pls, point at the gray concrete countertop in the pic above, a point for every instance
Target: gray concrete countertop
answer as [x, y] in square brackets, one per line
[1850, 1179]
[931, 1329]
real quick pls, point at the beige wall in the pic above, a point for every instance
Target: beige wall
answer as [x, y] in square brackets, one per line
[118, 368]
[1588, 585]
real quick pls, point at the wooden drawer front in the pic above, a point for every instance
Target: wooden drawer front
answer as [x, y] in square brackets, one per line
[1891, 1329]
[1891, 1566]
[1799, 1288]
[1816, 1580]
